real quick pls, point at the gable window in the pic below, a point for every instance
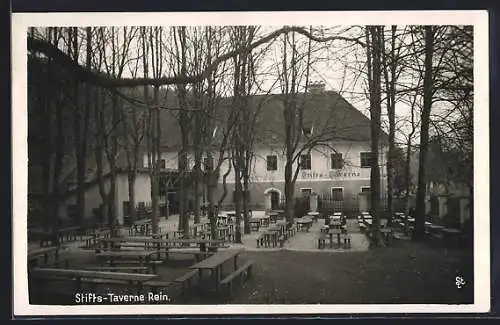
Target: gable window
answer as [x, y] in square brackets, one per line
[336, 161]
[365, 159]
[272, 163]
[337, 193]
[305, 162]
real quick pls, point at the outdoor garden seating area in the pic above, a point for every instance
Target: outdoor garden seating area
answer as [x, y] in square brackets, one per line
[139, 261]
[435, 232]
[133, 259]
[335, 227]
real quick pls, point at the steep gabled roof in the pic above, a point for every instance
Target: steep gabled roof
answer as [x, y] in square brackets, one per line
[326, 113]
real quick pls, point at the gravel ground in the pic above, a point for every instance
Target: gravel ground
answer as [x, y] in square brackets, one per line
[406, 274]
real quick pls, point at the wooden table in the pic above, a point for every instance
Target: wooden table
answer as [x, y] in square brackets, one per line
[332, 232]
[35, 253]
[68, 233]
[334, 218]
[142, 256]
[314, 215]
[281, 214]
[166, 244]
[223, 232]
[335, 224]
[273, 216]
[305, 224]
[141, 226]
[215, 265]
[254, 224]
[198, 227]
[387, 234]
[264, 221]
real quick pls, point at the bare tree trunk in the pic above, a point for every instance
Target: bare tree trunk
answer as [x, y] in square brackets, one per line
[211, 188]
[237, 202]
[45, 163]
[289, 192]
[183, 171]
[246, 198]
[197, 179]
[390, 81]
[419, 231]
[80, 127]
[58, 161]
[99, 152]
[181, 47]
[156, 163]
[132, 175]
[407, 175]
[374, 61]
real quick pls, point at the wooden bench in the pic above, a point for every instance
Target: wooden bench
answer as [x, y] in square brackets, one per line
[92, 277]
[346, 239]
[152, 264]
[322, 241]
[186, 281]
[132, 269]
[281, 240]
[242, 273]
[263, 240]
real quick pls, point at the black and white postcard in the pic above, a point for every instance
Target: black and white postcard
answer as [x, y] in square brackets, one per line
[250, 163]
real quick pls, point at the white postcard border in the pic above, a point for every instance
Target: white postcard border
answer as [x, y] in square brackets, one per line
[20, 23]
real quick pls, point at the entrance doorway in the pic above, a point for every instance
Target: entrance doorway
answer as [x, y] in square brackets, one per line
[272, 198]
[275, 200]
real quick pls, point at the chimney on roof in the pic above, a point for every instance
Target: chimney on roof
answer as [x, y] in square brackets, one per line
[316, 87]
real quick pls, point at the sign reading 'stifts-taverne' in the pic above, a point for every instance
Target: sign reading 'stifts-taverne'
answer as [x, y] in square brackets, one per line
[333, 175]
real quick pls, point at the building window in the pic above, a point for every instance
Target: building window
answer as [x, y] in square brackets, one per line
[336, 161]
[305, 162]
[337, 193]
[161, 163]
[365, 189]
[366, 159]
[272, 162]
[306, 192]
[306, 131]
